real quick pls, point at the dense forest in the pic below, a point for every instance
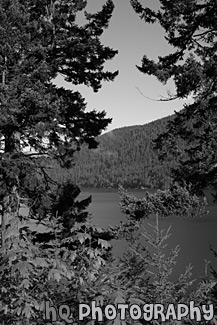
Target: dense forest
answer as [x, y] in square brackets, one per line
[124, 156]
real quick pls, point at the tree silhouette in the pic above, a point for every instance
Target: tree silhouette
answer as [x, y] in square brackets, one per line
[39, 120]
[190, 139]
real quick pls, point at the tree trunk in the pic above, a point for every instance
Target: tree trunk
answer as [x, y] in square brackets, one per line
[10, 209]
[12, 142]
[10, 202]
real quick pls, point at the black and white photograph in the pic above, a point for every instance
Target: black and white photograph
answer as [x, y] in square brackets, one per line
[108, 162]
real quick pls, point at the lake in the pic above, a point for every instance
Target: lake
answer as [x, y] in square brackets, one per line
[194, 236]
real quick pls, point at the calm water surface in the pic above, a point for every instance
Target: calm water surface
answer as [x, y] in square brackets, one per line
[194, 236]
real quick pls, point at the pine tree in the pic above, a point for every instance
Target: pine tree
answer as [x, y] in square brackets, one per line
[55, 247]
[190, 140]
[39, 120]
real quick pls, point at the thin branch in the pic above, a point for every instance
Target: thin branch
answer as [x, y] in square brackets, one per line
[163, 99]
[34, 154]
[204, 33]
[198, 44]
[47, 177]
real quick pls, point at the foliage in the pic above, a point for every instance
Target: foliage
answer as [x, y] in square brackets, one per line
[124, 156]
[190, 27]
[54, 252]
[31, 274]
[175, 201]
[159, 265]
[190, 138]
[143, 274]
[150, 261]
[39, 41]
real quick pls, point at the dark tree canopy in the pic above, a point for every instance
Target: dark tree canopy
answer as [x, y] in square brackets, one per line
[39, 41]
[41, 122]
[190, 27]
[55, 246]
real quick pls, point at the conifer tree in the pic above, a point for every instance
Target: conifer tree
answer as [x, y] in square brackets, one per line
[39, 41]
[54, 253]
[190, 139]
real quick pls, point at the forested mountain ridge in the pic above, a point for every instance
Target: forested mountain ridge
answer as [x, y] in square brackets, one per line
[124, 156]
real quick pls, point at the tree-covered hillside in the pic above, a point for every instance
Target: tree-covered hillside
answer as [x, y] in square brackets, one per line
[124, 156]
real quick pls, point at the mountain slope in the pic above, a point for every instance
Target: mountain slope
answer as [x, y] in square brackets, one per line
[124, 156]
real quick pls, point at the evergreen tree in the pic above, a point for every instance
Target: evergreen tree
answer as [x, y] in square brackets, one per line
[190, 139]
[55, 247]
[39, 41]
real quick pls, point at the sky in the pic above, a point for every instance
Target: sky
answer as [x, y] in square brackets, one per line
[122, 99]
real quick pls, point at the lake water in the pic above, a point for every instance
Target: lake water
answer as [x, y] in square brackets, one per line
[194, 236]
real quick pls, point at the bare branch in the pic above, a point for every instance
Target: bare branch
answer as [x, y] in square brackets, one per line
[163, 99]
[205, 32]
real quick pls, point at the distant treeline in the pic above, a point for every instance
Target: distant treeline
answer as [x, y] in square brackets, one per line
[124, 156]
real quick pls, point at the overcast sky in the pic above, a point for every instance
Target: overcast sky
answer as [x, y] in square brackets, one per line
[133, 38]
